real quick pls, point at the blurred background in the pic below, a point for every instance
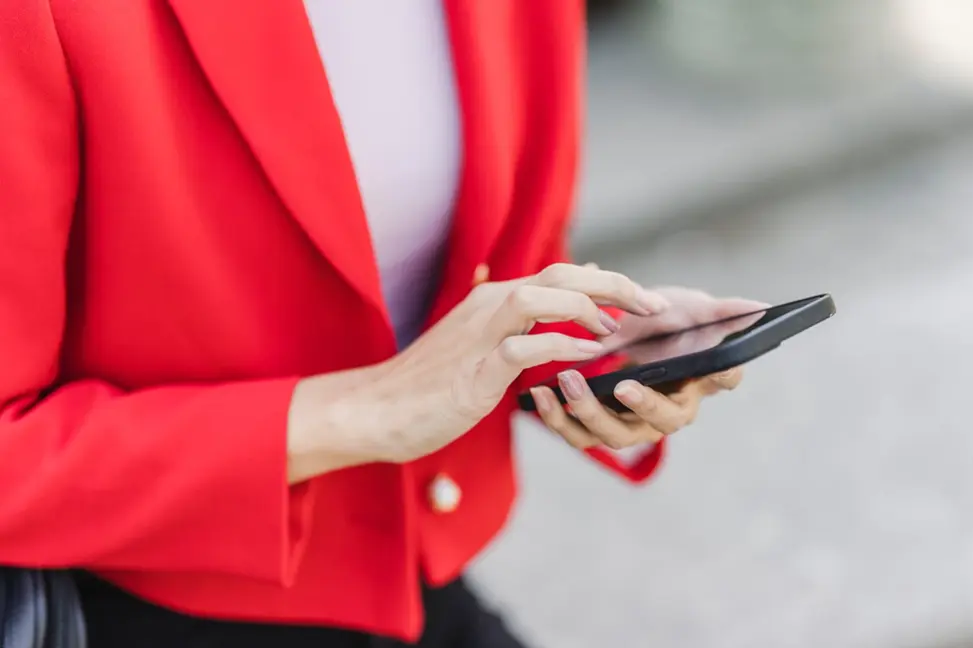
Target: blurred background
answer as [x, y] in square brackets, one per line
[775, 149]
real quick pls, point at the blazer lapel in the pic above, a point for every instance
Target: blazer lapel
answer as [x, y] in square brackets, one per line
[261, 59]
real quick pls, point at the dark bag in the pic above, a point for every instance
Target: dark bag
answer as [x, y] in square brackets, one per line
[40, 609]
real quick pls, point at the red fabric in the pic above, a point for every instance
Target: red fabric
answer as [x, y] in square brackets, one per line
[636, 472]
[181, 239]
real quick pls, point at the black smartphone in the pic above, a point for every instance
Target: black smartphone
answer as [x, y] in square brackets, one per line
[665, 362]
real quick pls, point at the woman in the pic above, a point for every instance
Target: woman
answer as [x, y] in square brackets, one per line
[247, 381]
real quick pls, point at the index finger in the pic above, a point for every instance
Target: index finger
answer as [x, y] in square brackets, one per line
[602, 286]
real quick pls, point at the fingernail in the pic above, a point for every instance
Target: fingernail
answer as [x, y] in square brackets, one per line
[651, 301]
[628, 392]
[572, 384]
[540, 400]
[608, 322]
[590, 347]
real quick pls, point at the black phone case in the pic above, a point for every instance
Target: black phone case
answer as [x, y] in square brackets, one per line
[726, 356]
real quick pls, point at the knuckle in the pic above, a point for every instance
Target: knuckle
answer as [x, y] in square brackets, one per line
[587, 307]
[586, 411]
[619, 281]
[557, 421]
[581, 308]
[646, 410]
[669, 425]
[620, 284]
[683, 418]
[520, 298]
[480, 293]
[510, 350]
[558, 344]
[650, 401]
[554, 274]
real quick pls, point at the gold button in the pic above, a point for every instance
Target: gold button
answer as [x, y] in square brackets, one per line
[444, 494]
[481, 274]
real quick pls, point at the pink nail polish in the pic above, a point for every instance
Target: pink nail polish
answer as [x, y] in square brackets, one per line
[608, 322]
[572, 384]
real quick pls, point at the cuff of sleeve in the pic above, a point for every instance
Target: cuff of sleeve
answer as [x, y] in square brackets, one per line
[637, 472]
[299, 510]
[295, 503]
[194, 479]
[263, 523]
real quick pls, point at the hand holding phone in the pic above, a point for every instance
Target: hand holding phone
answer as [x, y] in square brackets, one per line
[701, 350]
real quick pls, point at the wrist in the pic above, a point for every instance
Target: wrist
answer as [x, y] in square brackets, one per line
[333, 423]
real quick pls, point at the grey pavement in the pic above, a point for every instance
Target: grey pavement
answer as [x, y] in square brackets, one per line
[665, 148]
[829, 501]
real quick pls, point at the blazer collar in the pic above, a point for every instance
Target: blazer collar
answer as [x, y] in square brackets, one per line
[261, 59]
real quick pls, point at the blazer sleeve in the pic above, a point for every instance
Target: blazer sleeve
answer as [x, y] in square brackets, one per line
[174, 478]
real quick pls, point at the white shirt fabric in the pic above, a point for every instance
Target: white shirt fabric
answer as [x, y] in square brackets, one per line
[390, 69]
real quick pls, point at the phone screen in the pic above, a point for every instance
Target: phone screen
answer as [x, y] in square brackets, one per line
[677, 342]
[699, 337]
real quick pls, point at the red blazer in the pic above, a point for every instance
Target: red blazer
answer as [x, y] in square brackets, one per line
[182, 239]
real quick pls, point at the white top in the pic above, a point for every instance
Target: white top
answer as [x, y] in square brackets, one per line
[391, 74]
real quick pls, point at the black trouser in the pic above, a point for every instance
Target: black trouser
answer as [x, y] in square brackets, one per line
[455, 618]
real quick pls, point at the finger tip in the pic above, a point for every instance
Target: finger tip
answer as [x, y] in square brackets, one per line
[660, 305]
[541, 400]
[652, 302]
[628, 391]
[745, 305]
